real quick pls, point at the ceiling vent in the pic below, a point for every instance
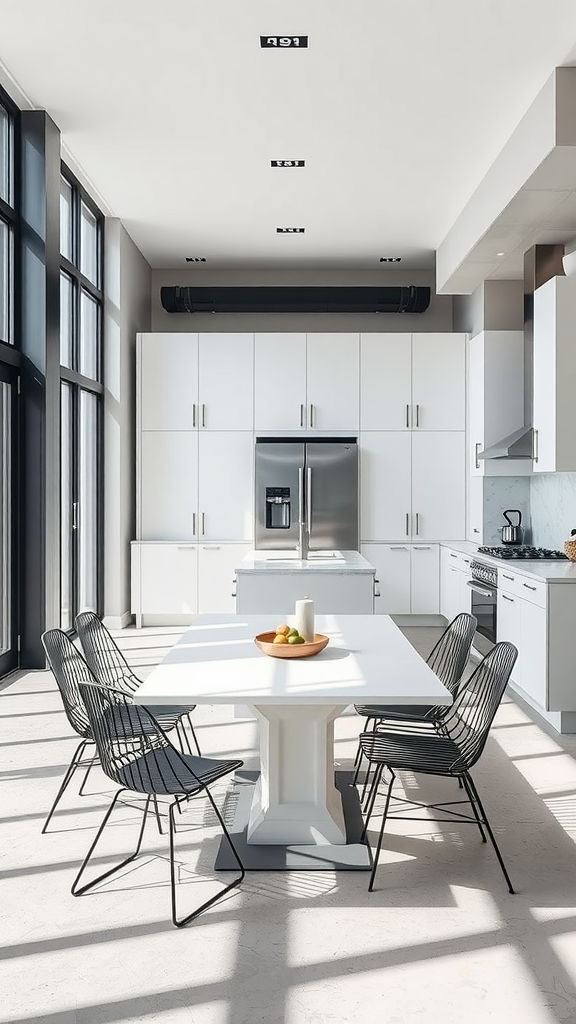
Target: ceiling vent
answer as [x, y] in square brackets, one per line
[408, 299]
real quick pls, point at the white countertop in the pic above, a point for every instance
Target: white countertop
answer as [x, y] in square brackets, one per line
[540, 569]
[368, 660]
[283, 562]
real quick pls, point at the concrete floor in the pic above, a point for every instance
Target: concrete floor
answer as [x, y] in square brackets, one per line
[440, 939]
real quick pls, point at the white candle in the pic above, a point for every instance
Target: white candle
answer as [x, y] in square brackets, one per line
[304, 612]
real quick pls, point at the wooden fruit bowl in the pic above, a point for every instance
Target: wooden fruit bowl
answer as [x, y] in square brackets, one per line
[265, 642]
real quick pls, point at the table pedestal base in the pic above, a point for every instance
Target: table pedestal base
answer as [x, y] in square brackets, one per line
[296, 801]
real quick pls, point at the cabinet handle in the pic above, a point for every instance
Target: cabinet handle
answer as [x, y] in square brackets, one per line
[506, 598]
[202, 531]
[203, 415]
[407, 415]
[466, 561]
[452, 569]
[477, 447]
[535, 447]
[74, 515]
[377, 592]
[233, 594]
[417, 415]
[417, 523]
[453, 556]
[186, 547]
[398, 547]
[301, 415]
[194, 414]
[508, 577]
[376, 581]
[311, 415]
[422, 547]
[210, 547]
[194, 522]
[407, 524]
[528, 587]
[474, 530]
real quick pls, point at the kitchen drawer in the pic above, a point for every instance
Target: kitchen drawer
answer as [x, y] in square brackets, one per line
[525, 587]
[457, 559]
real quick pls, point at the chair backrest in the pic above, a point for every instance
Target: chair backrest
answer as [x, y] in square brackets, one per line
[469, 718]
[128, 741]
[69, 670]
[449, 657]
[103, 655]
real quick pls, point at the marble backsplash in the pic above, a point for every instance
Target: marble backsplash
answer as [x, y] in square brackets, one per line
[500, 493]
[553, 508]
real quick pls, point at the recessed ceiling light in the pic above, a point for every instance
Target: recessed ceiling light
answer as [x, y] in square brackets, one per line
[195, 259]
[390, 259]
[500, 253]
[290, 231]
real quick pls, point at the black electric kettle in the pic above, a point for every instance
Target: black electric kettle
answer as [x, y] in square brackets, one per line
[512, 534]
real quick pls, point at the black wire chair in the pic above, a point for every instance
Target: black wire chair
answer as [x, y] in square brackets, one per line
[136, 754]
[109, 667]
[69, 669]
[448, 659]
[450, 750]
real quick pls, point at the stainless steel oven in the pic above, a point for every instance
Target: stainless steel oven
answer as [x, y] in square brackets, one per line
[484, 603]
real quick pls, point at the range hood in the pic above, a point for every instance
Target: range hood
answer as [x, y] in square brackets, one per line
[541, 263]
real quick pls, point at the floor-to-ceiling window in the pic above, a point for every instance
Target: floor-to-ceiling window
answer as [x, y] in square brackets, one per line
[81, 302]
[8, 392]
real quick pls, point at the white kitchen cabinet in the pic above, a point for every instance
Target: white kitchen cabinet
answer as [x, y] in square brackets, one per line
[168, 492]
[439, 381]
[167, 371]
[495, 389]
[412, 382]
[438, 485]
[306, 382]
[280, 382]
[554, 376]
[196, 382]
[385, 381]
[454, 590]
[475, 509]
[408, 578]
[533, 652]
[216, 576]
[332, 381]
[225, 485]
[385, 485]
[225, 381]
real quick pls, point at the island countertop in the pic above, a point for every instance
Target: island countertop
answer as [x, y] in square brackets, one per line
[273, 563]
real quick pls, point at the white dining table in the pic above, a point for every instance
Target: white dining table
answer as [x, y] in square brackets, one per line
[368, 660]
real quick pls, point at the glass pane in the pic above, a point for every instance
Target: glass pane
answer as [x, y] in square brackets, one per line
[5, 518]
[6, 156]
[88, 244]
[88, 502]
[89, 331]
[6, 282]
[66, 236]
[66, 511]
[66, 320]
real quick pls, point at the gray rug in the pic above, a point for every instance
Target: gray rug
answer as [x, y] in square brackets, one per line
[354, 856]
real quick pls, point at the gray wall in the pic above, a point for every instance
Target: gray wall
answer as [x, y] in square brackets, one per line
[438, 316]
[553, 507]
[494, 306]
[127, 311]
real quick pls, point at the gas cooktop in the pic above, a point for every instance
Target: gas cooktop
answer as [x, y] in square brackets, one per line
[522, 551]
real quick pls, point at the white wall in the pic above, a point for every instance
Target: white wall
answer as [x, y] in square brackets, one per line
[438, 316]
[126, 311]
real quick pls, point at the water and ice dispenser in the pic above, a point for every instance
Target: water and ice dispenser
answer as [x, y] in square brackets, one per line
[278, 508]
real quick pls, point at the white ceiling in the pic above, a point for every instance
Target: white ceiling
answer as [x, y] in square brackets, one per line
[173, 112]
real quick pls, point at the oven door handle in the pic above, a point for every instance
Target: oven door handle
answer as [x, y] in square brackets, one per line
[479, 590]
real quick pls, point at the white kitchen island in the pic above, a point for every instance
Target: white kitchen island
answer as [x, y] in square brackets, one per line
[368, 660]
[339, 582]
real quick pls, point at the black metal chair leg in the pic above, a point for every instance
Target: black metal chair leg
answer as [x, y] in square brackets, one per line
[464, 781]
[85, 779]
[372, 797]
[381, 836]
[78, 891]
[74, 764]
[180, 922]
[490, 833]
[194, 736]
[157, 813]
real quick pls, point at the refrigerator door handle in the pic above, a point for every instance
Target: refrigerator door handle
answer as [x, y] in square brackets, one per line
[300, 507]
[309, 501]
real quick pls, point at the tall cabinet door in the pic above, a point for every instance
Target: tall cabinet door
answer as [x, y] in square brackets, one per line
[226, 387]
[385, 381]
[169, 485]
[438, 485]
[168, 381]
[385, 485]
[333, 379]
[280, 382]
[225, 485]
[425, 579]
[439, 381]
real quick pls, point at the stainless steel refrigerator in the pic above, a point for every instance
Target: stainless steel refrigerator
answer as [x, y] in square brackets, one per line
[306, 494]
